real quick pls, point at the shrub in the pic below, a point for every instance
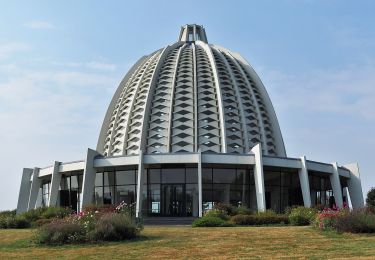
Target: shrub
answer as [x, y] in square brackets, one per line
[114, 227]
[253, 220]
[242, 210]
[56, 212]
[33, 215]
[302, 216]
[43, 221]
[217, 213]
[327, 219]
[60, 232]
[266, 213]
[370, 200]
[7, 213]
[228, 208]
[356, 221]
[208, 221]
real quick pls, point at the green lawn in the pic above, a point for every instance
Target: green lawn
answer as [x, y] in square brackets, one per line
[171, 242]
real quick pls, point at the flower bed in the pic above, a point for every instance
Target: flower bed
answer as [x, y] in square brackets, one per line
[91, 225]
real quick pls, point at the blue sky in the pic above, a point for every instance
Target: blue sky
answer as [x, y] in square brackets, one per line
[60, 63]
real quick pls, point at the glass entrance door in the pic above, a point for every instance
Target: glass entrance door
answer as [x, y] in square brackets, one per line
[173, 200]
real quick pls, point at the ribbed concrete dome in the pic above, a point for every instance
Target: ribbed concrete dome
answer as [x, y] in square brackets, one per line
[187, 97]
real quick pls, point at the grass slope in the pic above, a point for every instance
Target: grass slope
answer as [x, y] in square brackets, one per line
[171, 242]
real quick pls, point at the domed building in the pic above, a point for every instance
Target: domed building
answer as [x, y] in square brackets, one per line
[190, 125]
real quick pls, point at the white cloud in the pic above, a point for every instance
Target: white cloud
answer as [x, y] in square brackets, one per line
[8, 49]
[39, 25]
[101, 66]
[350, 91]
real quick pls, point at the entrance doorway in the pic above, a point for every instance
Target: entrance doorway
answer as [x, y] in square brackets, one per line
[173, 200]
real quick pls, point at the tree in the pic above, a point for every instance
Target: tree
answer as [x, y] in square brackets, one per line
[370, 201]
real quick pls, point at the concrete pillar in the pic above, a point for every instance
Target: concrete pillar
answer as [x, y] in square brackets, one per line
[24, 194]
[200, 192]
[355, 186]
[141, 173]
[304, 182]
[89, 174]
[336, 185]
[259, 178]
[34, 190]
[55, 185]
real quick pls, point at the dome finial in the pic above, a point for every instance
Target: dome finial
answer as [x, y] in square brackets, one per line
[192, 32]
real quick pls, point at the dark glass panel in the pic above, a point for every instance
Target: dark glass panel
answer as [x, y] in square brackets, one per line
[191, 175]
[271, 178]
[98, 195]
[154, 175]
[125, 177]
[242, 176]
[99, 179]
[108, 195]
[192, 201]
[206, 175]
[224, 175]
[109, 178]
[173, 175]
[125, 193]
[154, 199]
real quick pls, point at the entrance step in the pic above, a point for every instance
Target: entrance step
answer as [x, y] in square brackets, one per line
[168, 220]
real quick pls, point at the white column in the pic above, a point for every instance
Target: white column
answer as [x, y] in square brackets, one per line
[304, 182]
[89, 174]
[55, 184]
[355, 186]
[34, 190]
[140, 177]
[259, 178]
[200, 196]
[336, 185]
[23, 198]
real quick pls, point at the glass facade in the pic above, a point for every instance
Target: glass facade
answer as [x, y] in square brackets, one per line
[113, 187]
[171, 192]
[45, 193]
[321, 190]
[282, 189]
[229, 185]
[71, 190]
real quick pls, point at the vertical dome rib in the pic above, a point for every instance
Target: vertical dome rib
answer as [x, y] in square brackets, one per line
[235, 139]
[159, 123]
[209, 138]
[210, 56]
[230, 69]
[182, 134]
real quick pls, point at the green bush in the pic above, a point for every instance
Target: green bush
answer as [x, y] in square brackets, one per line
[114, 227]
[14, 222]
[55, 212]
[356, 221]
[33, 215]
[259, 219]
[208, 221]
[228, 208]
[370, 200]
[302, 216]
[60, 232]
[216, 213]
[43, 221]
[267, 213]
[7, 213]
[242, 210]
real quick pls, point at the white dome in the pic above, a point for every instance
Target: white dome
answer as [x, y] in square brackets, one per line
[187, 97]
